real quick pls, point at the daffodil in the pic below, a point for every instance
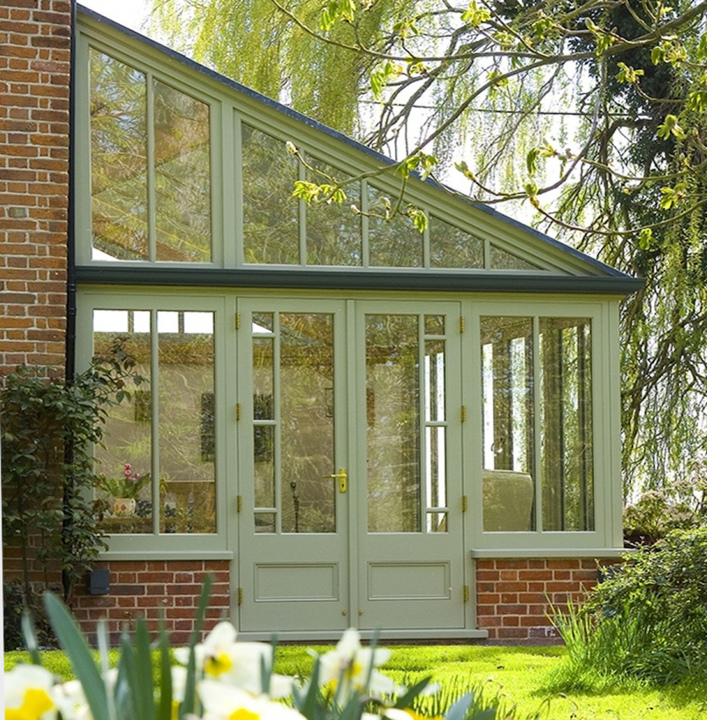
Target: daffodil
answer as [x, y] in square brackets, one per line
[222, 659]
[71, 701]
[351, 668]
[28, 694]
[226, 702]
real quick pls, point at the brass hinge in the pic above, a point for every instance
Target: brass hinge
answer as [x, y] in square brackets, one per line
[238, 411]
[238, 321]
[463, 413]
[466, 593]
[462, 324]
[239, 503]
[465, 503]
[240, 596]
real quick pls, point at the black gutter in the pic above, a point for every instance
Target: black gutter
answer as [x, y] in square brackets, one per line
[70, 350]
[380, 280]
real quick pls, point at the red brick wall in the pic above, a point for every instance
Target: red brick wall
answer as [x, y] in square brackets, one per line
[152, 588]
[34, 180]
[513, 597]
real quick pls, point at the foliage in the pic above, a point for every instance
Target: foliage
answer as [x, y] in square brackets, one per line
[49, 428]
[647, 622]
[216, 679]
[680, 506]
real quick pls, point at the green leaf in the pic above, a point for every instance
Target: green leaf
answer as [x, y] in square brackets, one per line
[74, 645]
[474, 15]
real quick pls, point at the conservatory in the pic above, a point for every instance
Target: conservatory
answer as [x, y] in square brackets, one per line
[347, 412]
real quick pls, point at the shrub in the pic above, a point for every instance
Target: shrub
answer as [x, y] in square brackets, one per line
[49, 428]
[646, 622]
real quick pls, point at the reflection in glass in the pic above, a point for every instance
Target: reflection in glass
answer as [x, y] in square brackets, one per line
[264, 465]
[263, 379]
[437, 522]
[508, 441]
[393, 423]
[182, 176]
[503, 260]
[451, 247]
[333, 229]
[307, 422]
[434, 324]
[270, 212]
[567, 443]
[118, 113]
[128, 427]
[186, 375]
[395, 242]
[263, 322]
[265, 522]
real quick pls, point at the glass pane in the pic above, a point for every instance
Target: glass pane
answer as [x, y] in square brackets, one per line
[265, 522]
[118, 160]
[263, 323]
[263, 373]
[566, 424]
[436, 467]
[182, 176]
[434, 324]
[392, 243]
[436, 522]
[502, 260]
[451, 247]
[334, 230]
[307, 422]
[270, 212]
[264, 465]
[186, 389]
[125, 459]
[434, 381]
[507, 390]
[393, 423]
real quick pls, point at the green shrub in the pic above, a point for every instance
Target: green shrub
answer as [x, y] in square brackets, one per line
[49, 428]
[647, 622]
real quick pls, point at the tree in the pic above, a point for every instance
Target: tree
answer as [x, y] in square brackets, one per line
[604, 100]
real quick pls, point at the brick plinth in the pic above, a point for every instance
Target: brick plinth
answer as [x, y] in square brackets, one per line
[152, 589]
[34, 180]
[514, 597]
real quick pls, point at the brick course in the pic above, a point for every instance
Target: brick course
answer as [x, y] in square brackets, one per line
[514, 597]
[34, 180]
[152, 589]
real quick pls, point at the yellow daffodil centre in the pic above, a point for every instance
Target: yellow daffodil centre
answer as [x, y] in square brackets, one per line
[34, 704]
[243, 714]
[218, 664]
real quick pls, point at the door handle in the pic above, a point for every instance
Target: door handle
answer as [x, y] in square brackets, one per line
[343, 479]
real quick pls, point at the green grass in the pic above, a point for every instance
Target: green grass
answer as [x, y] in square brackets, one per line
[528, 678]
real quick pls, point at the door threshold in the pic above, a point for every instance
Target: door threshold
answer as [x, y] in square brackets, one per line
[396, 636]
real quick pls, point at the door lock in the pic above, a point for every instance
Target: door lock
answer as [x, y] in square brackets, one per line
[343, 479]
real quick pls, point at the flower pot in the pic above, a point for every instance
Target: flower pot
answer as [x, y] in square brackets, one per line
[124, 507]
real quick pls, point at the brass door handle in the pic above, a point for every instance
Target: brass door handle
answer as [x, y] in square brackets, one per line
[343, 479]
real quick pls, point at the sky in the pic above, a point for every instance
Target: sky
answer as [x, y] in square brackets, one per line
[131, 13]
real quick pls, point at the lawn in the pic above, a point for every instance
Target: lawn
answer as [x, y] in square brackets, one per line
[521, 675]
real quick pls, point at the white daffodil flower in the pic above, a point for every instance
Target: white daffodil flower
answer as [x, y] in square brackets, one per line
[225, 702]
[223, 659]
[350, 668]
[28, 693]
[71, 701]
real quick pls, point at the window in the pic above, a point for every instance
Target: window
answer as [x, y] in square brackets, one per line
[150, 167]
[537, 424]
[159, 453]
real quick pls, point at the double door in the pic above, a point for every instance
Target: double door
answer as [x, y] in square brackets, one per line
[350, 467]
